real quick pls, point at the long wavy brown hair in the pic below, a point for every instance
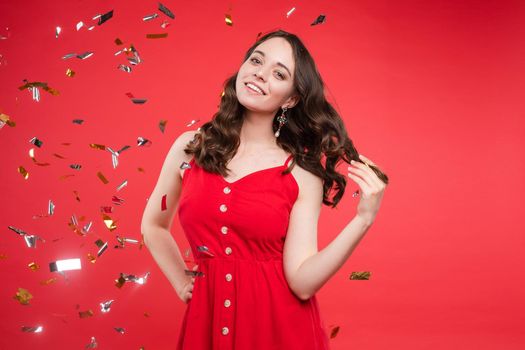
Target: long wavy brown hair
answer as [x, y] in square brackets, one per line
[315, 133]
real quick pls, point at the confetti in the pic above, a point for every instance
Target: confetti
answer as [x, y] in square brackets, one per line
[70, 73]
[23, 296]
[97, 146]
[85, 55]
[162, 125]
[117, 200]
[157, 36]
[87, 227]
[163, 204]
[65, 265]
[228, 19]
[93, 344]
[108, 210]
[165, 24]
[140, 169]
[32, 156]
[194, 273]
[105, 17]
[102, 249]
[166, 11]
[319, 20]
[92, 259]
[205, 250]
[122, 185]
[150, 17]
[36, 84]
[58, 156]
[124, 68]
[334, 332]
[131, 278]
[355, 194]
[85, 314]
[106, 306]
[29, 239]
[29, 329]
[185, 165]
[290, 12]
[102, 178]
[192, 122]
[79, 25]
[58, 30]
[360, 275]
[24, 172]
[120, 330]
[36, 142]
[108, 221]
[77, 197]
[136, 58]
[141, 141]
[33, 266]
[4, 119]
[48, 281]
[50, 208]
[78, 121]
[75, 166]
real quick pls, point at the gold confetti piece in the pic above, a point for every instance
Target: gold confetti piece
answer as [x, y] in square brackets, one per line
[48, 281]
[119, 282]
[120, 330]
[70, 73]
[65, 265]
[85, 314]
[228, 19]
[92, 259]
[29, 329]
[360, 275]
[166, 11]
[35, 84]
[58, 30]
[319, 20]
[97, 146]
[24, 172]
[23, 296]
[93, 344]
[162, 125]
[106, 306]
[4, 119]
[118, 41]
[290, 12]
[122, 185]
[108, 221]
[102, 178]
[33, 266]
[334, 332]
[157, 36]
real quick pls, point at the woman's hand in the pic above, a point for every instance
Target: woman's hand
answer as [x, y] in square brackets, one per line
[372, 188]
[186, 292]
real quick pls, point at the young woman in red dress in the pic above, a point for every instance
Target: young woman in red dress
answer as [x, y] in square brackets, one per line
[248, 187]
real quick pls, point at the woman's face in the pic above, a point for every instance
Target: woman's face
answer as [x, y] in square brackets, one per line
[265, 80]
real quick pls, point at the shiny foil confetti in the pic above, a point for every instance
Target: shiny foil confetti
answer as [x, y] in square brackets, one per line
[23, 296]
[75, 166]
[192, 122]
[185, 165]
[91, 258]
[6, 120]
[32, 156]
[162, 125]
[319, 20]
[108, 221]
[58, 156]
[69, 55]
[120, 330]
[23, 172]
[30, 329]
[194, 273]
[85, 55]
[166, 11]
[136, 58]
[50, 208]
[92, 344]
[58, 30]
[157, 36]
[65, 265]
[97, 146]
[33, 266]
[205, 250]
[289, 13]
[141, 141]
[77, 197]
[102, 178]
[355, 194]
[70, 73]
[102, 249]
[164, 24]
[117, 200]
[79, 25]
[105, 17]
[228, 19]
[131, 278]
[124, 68]
[48, 281]
[122, 185]
[150, 17]
[334, 331]
[78, 121]
[163, 205]
[105, 306]
[35, 84]
[360, 275]
[87, 227]
[36, 142]
[85, 314]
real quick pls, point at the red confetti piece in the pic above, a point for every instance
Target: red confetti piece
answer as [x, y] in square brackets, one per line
[163, 205]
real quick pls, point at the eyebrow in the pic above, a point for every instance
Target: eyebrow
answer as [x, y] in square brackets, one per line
[278, 63]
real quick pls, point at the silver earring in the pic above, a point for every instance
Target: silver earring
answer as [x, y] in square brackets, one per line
[282, 120]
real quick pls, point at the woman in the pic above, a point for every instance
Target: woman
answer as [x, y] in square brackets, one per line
[250, 215]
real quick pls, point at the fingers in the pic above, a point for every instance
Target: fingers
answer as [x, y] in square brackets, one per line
[373, 180]
[360, 174]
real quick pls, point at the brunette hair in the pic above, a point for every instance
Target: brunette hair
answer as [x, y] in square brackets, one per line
[314, 134]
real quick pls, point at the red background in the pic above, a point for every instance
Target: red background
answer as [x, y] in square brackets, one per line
[432, 91]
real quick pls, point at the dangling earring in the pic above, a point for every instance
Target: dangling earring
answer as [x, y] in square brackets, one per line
[282, 120]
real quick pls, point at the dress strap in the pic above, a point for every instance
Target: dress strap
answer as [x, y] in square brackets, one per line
[287, 160]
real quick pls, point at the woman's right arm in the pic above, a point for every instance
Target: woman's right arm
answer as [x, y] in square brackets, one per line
[156, 223]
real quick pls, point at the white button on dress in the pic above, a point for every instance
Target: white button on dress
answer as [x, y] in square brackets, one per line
[223, 208]
[227, 303]
[228, 250]
[225, 330]
[228, 277]
[224, 230]
[227, 190]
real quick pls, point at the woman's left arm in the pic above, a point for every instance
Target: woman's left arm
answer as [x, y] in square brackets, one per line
[307, 269]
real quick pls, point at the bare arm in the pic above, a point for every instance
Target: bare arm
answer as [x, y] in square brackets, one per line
[156, 223]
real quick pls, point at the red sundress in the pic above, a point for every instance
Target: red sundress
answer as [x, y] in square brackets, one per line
[236, 231]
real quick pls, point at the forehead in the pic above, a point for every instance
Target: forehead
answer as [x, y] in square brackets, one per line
[278, 50]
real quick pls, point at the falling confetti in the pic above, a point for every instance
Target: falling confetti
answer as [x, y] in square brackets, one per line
[79, 25]
[122, 185]
[36, 142]
[70, 73]
[93, 344]
[104, 17]
[50, 208]
[97, 146]
[166, 11]
[32, 156]
[75, 166]
[33, 266]
[163, 204]
[136, 100]
[65, 265]
[194, 273]
[57, 31]
[120, 330]
[150, 17]
[130, 278]
[106, 306]
[162, 125]
[319, 20]
[141, 141]
[157, 36]
[290, 12]
[192, 122]
[117, 200]
[85, 55]
[4, 119]
[48, 281]
[85, 314]
[29, 329]
[334, 332]
[35, 84]
[228, 19]
[360, 275]
[108, 221]
[124, 68]
[102, 178]
[23, 296]
[23, 172]
[185, 165]
[78, 121]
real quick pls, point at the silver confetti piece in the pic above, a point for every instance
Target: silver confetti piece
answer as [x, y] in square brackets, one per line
[36, 93]
[194, 273]
[122, 185]
[87, 227]
[65, 265]
[150, 17]
[69, 55]
[192, 122]
[85, 55]
[102, 249]
[290, 12]
[93, 344]
[50, 208]
[141, 141]
[106, 306]
[205, 250]
[185, 165]
[120, 330]
[79, 25]
[29, 329]
[124, 68]
[166, 11]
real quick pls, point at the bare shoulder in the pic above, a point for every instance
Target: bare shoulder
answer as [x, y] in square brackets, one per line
[310, 185]
[179, 145]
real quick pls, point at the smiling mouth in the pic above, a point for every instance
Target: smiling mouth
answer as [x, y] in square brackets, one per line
[254, 88]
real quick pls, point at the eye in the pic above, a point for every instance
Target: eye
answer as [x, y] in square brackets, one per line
[254, 59]
[280, 75]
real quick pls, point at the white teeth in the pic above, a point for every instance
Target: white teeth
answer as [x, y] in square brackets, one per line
[253, 87]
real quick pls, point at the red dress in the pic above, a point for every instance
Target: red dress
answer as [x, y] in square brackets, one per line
[236, 231]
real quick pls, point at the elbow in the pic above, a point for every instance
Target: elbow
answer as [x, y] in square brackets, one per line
[301, 294]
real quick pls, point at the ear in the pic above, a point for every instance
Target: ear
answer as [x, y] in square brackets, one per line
[292, 101]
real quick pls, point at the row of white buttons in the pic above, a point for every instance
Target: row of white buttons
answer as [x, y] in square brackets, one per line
[227, 302]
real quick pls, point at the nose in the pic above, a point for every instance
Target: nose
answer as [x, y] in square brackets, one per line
[259, 74]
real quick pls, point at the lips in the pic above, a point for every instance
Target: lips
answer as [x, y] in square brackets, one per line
[251, 82]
